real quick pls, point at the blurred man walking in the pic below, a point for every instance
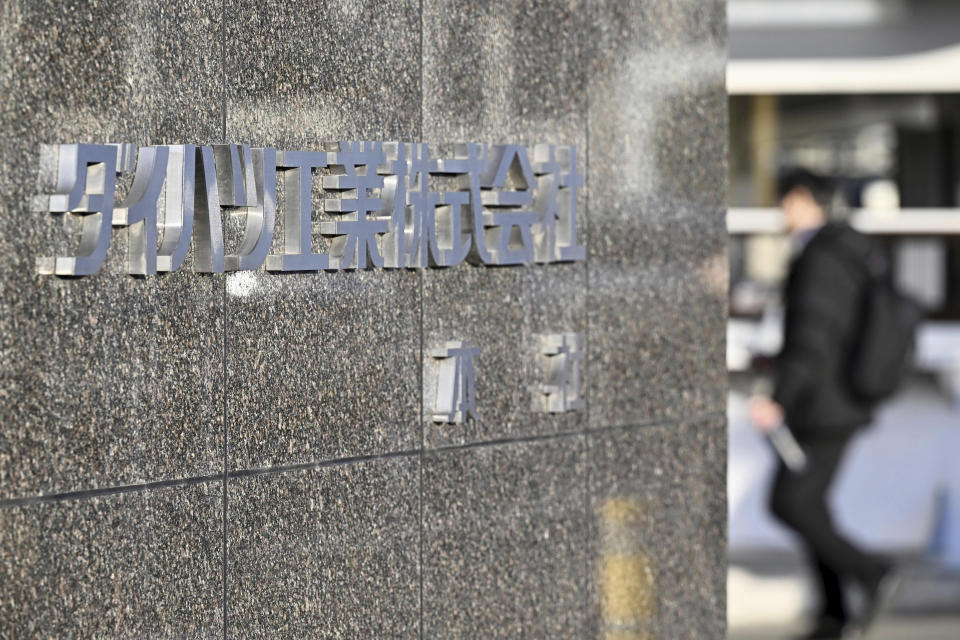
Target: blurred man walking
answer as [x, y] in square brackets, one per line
[823, 321]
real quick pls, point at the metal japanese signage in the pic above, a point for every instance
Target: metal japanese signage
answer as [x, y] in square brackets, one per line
[456, 399]
[385, 205]
[559, 356]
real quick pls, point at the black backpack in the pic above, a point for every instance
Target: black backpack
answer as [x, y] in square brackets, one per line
[882, 355]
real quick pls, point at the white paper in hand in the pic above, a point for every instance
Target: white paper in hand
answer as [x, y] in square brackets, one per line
[787, 448]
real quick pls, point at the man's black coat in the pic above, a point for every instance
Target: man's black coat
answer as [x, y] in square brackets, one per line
[823, 300]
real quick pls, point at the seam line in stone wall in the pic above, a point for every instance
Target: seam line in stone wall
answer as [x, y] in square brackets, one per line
[587, 498]
[693, 419]
[420, 405]
[321, 464]
[420, 492]
[479, 444]
[225, 424]
[589, 233]
[109, 491]
[589, 534]
[696, 419]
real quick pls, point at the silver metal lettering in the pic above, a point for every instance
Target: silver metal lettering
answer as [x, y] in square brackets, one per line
[560, 357]
[236, 182]
[208, 224]
[570, 182]
[138, 211]
[456, 400]
[425, 225]
[467, 163]
[260, 210]
[175, 217]
[296, 171]
[355, 235]
[82, 178]
[393, 204]
[503, 209]
[453, 241]
[507, 196]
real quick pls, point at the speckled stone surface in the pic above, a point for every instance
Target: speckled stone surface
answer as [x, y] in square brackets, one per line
[145, 564]
[349, 513]
[658, 531]
[657, 310]
[301, 73]
[323, 365]
[107, 379]
[504, 72]
[656, 90]
[657, 171]
[510, 71]
[504, 544]
[327, 553]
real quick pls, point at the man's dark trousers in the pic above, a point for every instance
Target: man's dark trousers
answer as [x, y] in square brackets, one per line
[799, 500]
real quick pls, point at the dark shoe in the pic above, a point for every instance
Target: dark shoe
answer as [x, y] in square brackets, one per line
[878, 597]
[826, 629]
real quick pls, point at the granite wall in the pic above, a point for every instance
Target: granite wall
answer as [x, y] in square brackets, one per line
[250, 455]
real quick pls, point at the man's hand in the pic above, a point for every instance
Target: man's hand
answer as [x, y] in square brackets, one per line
[766, 414]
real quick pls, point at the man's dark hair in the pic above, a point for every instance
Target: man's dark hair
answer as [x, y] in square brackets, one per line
[820, 188]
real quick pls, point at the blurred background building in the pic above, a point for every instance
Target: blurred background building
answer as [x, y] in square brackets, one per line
[868, 92]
